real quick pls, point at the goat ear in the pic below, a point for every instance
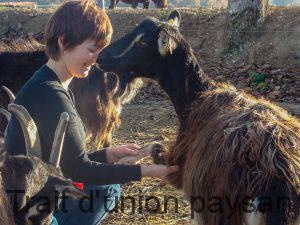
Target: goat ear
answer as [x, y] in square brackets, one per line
[174, 19]
[166, 44]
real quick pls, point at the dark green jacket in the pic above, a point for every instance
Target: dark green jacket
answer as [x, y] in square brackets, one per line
[45, 99]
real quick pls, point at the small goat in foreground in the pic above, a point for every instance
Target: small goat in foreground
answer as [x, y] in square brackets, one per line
[30, 188]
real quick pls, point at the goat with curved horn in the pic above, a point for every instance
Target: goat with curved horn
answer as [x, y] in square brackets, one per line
[9, 93]
[32, 139]
[59, 139]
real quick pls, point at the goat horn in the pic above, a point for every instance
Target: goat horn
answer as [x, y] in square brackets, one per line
[5, 113]
[32, 139]
[59, 139]
[9, 93]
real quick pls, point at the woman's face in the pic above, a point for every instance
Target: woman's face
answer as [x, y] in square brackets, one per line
[79, 59]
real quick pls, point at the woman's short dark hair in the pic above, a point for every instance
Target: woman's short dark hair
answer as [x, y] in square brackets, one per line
[74, 22]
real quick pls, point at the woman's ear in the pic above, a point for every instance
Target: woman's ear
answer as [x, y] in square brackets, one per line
[60, 43]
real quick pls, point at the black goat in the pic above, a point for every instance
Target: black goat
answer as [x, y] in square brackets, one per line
[238, 151]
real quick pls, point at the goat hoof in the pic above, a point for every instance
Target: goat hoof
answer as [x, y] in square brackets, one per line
[158, 153]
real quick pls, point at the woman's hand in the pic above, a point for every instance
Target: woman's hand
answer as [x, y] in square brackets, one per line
[114, 154]
[160, 171]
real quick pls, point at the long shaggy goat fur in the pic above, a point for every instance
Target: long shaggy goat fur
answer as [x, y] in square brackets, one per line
[100, 115]
[250, 144]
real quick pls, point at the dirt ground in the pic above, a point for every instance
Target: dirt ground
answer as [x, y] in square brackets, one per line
[274, 54]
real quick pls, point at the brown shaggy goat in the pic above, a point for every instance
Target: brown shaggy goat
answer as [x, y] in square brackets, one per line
[29, 187]
[239, 156]
[98, 98]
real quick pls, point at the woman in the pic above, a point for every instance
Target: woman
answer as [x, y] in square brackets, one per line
[75, 35]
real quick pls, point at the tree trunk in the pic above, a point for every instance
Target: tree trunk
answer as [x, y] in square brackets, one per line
[244, 20]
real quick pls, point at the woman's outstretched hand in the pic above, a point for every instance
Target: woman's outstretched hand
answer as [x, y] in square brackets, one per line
[160, 171]
[114, 154]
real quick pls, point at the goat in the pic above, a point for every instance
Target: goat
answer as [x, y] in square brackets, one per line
[98, 98]
[231, 147]
[160, 4]
[35, 185]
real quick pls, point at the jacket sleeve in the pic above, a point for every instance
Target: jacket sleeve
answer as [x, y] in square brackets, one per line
[99, 156]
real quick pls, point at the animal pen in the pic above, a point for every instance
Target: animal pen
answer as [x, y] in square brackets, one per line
[228, 116]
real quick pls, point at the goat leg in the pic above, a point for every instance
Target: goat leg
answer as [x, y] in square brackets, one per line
[158, 154]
